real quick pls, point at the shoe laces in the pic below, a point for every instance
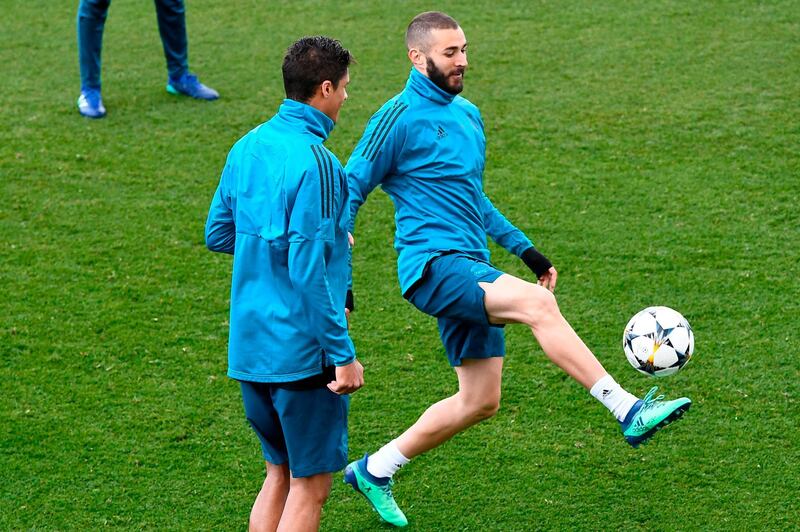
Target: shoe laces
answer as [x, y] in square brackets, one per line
[387, 489]
[189, 79]
[92, 97]
[650, 401]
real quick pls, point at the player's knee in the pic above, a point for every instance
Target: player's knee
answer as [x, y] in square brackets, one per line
[540, 305]
[314, 489]
[489, 409]
[484, 408]
[277, 476]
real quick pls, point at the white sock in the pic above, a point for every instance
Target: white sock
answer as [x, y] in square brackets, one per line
[386, 461]
[613, 397]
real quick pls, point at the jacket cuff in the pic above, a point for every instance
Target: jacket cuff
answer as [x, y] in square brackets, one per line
[345, 361]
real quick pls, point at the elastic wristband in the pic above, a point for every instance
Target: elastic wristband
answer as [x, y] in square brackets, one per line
[349, 303]
[537, 262]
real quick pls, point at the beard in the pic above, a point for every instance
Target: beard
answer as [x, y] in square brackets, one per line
[443, 80]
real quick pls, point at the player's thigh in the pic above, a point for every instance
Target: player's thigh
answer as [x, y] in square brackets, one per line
[511, 300]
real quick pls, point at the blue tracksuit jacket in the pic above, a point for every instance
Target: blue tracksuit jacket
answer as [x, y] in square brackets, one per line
[281, 209]
[426, 148]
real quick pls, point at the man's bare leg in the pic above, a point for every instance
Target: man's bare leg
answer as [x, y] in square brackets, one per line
[268, 508]
[478, 398]
[507, 300]
[303, 508]
[512, 300]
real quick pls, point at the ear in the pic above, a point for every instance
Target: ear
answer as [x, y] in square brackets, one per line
[416, 57]
[326, 88]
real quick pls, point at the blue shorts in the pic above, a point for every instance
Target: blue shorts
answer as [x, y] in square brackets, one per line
[305, 427]
[449, 291]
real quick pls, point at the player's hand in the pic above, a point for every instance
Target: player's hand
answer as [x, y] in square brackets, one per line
[548, 279]
[349, 378]
[347, 317]
[541, 267]
[350, 239]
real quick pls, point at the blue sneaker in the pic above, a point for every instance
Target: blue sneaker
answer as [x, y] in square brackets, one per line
[189, 85]
[378, 492]
[90, 104]
[649, 415]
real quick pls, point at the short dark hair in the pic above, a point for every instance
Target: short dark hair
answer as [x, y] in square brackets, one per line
[420, 28]
[310, 61]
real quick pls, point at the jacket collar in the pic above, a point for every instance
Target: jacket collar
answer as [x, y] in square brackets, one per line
[306, 118]
[419, 83]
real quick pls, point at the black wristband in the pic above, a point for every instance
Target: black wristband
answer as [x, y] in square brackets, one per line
[537, 262]
[349, 304]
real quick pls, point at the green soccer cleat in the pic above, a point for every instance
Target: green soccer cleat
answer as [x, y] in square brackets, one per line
[649, 415]
[378, 491]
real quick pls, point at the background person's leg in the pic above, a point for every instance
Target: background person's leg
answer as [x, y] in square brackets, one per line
[268, 507]
[172, 28]
[91, 21]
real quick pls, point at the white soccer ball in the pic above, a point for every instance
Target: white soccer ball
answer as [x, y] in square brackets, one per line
[658, 341]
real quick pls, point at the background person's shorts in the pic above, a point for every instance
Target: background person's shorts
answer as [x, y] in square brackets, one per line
[306, 428]
[449, 290]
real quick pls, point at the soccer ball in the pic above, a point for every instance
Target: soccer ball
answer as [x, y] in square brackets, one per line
[658, 341]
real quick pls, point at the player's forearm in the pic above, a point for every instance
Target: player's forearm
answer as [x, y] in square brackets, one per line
[506, 234]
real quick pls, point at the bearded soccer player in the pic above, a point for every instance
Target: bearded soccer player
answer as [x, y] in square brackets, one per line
[426, 149]
[281, 209]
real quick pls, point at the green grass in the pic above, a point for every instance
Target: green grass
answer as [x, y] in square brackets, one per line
[649, 148]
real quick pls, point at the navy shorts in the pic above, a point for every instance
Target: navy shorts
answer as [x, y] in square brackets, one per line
[449, 291]
[306, 428]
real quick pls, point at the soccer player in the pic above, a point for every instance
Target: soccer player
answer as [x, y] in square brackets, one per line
[426, 148]
[281, 209]
[172, 27]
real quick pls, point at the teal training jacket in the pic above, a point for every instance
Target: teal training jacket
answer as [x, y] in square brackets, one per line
[426, 148]
[281, 209]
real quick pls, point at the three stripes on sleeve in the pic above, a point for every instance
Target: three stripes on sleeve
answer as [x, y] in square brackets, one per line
[381, 131]
[325, 163]
[326, 175]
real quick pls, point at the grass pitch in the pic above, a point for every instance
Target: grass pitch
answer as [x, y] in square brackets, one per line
[650, 149]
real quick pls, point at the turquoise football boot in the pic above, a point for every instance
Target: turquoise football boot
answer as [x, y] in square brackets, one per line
[378, 491]
[649, 415]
